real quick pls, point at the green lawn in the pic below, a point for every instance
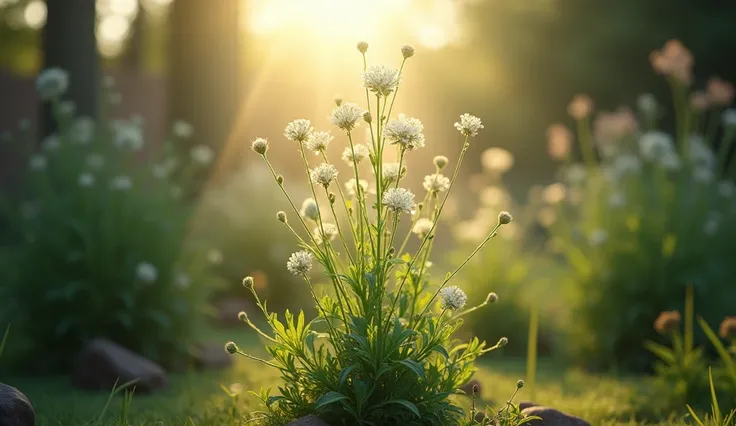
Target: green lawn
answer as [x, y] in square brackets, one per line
[197, 399]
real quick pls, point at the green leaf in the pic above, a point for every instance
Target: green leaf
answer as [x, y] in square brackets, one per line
[413, 408]
[663, 352]
[329, 398]
[344, 374]
[413, 366]
[271, 399]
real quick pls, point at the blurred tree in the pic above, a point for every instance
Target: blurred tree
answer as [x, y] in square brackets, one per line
[69, 42]
[203, 67]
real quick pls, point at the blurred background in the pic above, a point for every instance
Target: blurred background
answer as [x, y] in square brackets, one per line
[182, 86]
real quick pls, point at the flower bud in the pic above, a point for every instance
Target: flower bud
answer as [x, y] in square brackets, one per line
[407, 51]
[242, 316]
[362, 47]
[504, 218]
[260, 146]
[503, 342]
[248, 282]
[492, 297]
[520, 384]
[440, 161]
[338, 100]
[476, 389]
[281, 216]
[331, 197]
[280, 180]
[367, 117]
[231, 347]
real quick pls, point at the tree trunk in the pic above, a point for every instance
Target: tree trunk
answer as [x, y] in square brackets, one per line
[69, 42]
[203, 68]
[133, 57]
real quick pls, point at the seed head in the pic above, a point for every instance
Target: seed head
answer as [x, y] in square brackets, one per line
[346, 116]
[391, 171]
[406, 132]
[452, 298]
[504, 218]
[325, 232]
[300, 263]
[280, 179]
[259, 145]
[520, 384]
[381, 79]
[469, 125]
[281, 216]
[367, 117]
[242, 316]
[362, 47]
[667, 322]
[298, 130]
[355, 153]
[309, 209]
[407, 51]
[492, 297]
[399, 200]
[422, 226]
[323, 174]
[231, 348]
[436, 183]
[248, 282]
[318, 141]
[440, 162]
[503, 342]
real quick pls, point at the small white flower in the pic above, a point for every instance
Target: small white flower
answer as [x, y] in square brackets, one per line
[598, 237]
[405, 131]
[381, 79]
[346, 116]
[422, 226]
[67, 108]
[654, 144]
[728, 118]
[300, 263]
[309, 209]
[575, 174]
[700, 153]
[469, 125]
[391, 171]
[554, 193]
[121, 183]
[38, 162]
[726, 189]
[52, 83]
[85, 180]
[324, 174]
[127, 135]
[146, 272]
[325, 232]
[627, 164]
[494, 196]
[436, 182]
[181, 129]
[259, 145]
[82, 130]
[298, 130]
[399, 200]
[352, 188]
[452, 298]
[703, 175]
[647, 104]
[318, 142]
[95, 161]
[215, 256]
[670, 160]
[51, 142]
[202, 154]
[497, 160]
[182, 280]
[357, 153]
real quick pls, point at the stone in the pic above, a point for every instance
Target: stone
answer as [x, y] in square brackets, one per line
[211, 356]
[523, 405]
[309, 420]
[15, 408]
[102, 362]
[468, 388]
[229, 308]
[552, 417]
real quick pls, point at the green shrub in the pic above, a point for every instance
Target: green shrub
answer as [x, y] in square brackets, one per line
[97, 240]
[380, 350]
[647, 220]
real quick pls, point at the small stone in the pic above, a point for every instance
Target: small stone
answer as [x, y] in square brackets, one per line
[309, 420]
[101, 363]
[523, 405]
[15, 408]
[552, 417]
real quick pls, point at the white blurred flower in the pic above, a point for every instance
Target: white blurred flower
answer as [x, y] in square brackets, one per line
[728, 118]
[127, 135]
[67, 108]
[215, 257]
[494, 196]
[86, 180]
[391, 171]
[318, 141]
[38, 162]
[627, 164]
[52, 83]
[700, 154]
[202, 154]
[452, 298]
[121, 183]
[617, 199]
[95, 161]
[654, 143]
[559, 141]
[422, 226]
[381, 79]
[309, 209]
[300, 263]
[399, 200]
[469, 125]
[546, 216]
[647, 104]
[51, 142]
[82, 130]
[146, 272]
[712, 223]
[346, 116]
[436, 182]
[181, 129]
[497, 160]
[357, 153]
[323, 174]
[324, 232]
[554, 193]
[726, 189]
[598, 237]
[703, 175]
[405, 131]
[670, 160]
[298, 130]
[575, 174]
[580, 107]
[182, 280]
[352, 189]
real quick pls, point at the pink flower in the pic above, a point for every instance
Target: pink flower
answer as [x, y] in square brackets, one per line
[580, 107]
[720, 92]
[559, 141]
[699, 101]
[674, 60]
[610, 127]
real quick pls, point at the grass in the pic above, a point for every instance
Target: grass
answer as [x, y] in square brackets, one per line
[197, 399]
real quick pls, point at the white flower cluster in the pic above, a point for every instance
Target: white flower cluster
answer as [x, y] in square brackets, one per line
[399, 200]
[406, 132]
[452, 298]
[300, 263]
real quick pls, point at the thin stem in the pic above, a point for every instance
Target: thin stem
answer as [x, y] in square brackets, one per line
[254, 358]
[401, 69]
[319, 305]
[344, 203]
[339, 229]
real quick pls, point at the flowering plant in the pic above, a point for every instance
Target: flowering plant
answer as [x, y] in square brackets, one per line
[380, 350]
[96, 238]
[646, 220]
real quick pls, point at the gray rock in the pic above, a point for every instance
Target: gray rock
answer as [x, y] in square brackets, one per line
[309, 420]
[211, 356]
[15, 408]
[526, 404]
[552, 417]
[103, 362]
